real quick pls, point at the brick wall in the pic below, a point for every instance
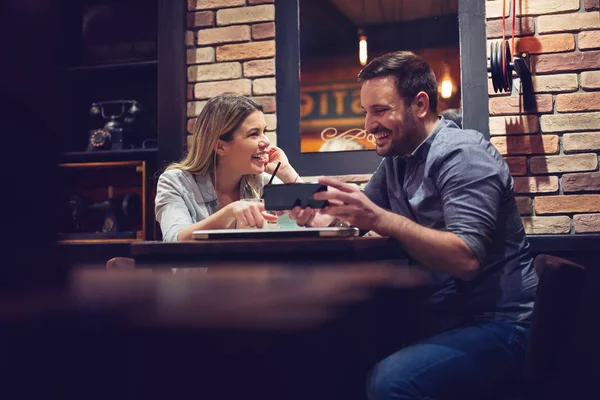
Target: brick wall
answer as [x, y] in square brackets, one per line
[553, 150]
[231, 48]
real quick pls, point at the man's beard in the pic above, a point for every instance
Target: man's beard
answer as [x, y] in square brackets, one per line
[400, 138]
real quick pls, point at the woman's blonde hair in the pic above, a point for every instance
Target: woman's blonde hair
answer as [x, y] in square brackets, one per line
[218, 120]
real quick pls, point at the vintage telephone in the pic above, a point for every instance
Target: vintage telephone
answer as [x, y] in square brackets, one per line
[115, 209]
[116, 133]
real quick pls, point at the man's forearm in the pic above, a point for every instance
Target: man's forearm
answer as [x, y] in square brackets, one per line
[441, 251]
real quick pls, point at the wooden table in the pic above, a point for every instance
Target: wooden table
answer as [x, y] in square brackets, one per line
[252, 252]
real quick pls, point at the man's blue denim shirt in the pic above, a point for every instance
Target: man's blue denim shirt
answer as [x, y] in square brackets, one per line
[457, 181]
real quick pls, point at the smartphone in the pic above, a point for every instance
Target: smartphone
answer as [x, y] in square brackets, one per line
[289, 195]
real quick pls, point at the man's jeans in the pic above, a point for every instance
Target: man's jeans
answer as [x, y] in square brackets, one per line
[478, 361]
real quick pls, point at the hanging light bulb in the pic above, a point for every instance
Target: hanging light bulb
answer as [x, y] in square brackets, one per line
[362, 47]
[447, 89]
[446, 85]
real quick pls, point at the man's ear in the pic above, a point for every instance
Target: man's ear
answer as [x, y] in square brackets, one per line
[421, 104]
[221, 148]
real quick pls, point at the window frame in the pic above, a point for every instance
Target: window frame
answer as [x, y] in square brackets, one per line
[474, 90]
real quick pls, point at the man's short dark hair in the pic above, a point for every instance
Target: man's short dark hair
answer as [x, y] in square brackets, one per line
[412, 74]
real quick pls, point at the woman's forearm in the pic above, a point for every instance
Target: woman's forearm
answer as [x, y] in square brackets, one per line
[222, 219]
[289, 175]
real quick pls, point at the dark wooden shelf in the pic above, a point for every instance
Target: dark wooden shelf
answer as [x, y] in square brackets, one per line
[108, 155]
[113, 67]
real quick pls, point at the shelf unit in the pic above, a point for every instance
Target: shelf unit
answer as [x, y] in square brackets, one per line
[114, 66]
[116, 177]
[125, 50]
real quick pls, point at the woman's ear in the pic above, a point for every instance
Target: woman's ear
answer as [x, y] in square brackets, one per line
[221, 148]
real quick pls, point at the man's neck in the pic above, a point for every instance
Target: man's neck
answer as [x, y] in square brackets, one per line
[429, 125]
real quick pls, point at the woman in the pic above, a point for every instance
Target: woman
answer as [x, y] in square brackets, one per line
[229, 160]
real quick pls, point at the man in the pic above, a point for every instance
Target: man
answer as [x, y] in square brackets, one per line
[446, 195]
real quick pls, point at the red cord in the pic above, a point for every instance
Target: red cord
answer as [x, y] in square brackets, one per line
[514, 16]
[504, 42]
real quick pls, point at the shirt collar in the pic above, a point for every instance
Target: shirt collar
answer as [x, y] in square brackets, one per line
[420, 153]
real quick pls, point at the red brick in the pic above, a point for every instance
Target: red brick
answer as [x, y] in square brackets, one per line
[213, 4]
[591, 5]
[590, 80]
[537, 7]
[581, 182]
[189, 38]
[514, 105]
[194, 108]
[242, 15]
[246, 51]
[578, 142]
[263, 31]
[577, 61]
[536, 184]
[205, 90]
[214, 72]
[256, 68]
[264, 86]
[570, 122]
[586, 223]
[517, 124]
[493, 9]
[568, 163]
[529, 144]
[516, 165]
[271, 120]
[200, 55]
[589, 40]
[546, 225]
[573, 23]
[524, 205]
[190, 92]
[269, 103]
[190, 125]
[574, 102]
[228, 34]
[547, 43]
[523, 27]
[555, 83]
[580, 203]
[200, 19]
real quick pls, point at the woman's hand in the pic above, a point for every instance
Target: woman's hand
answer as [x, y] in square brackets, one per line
[250, 214]
[285, 172]
[276, 155]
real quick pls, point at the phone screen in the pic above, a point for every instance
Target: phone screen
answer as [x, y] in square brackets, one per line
[287, 196]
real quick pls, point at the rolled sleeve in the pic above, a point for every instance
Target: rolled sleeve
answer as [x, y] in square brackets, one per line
[171, 211]
[471, 186]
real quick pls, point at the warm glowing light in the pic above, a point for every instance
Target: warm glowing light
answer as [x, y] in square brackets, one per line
[362, 50]
[446, 89]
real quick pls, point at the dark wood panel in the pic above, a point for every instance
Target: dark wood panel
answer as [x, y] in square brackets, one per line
[172, 94]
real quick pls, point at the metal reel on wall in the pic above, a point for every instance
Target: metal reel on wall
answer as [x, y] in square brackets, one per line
[502, 78]
[502, 72]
